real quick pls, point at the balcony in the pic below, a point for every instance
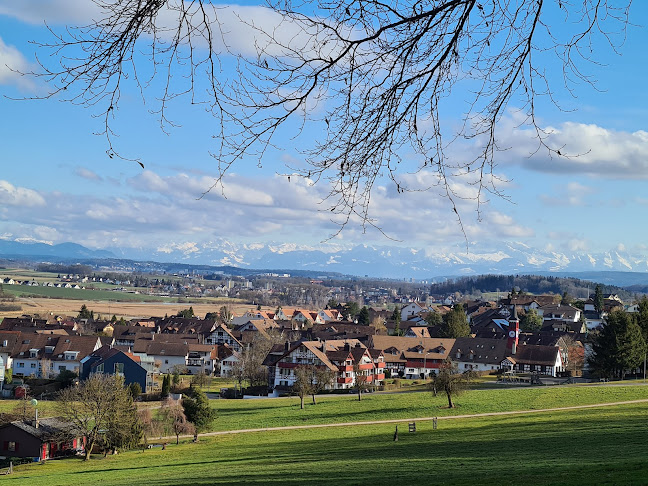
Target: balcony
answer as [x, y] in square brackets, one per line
[345, 380]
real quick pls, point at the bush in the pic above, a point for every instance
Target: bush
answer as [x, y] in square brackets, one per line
[397, 383]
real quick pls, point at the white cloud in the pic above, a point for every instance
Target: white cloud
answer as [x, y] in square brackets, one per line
[586, 149]
[12, 63]
[19, 196]
[570, 194]
[88, 174]
[51, 11]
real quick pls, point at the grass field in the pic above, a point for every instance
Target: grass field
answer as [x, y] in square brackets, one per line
[584, 447]
[278, 412]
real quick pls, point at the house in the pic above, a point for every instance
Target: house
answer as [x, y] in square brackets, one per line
[565, 313]
[108, 360]
[224, 359]
[418, 331]
[199, 359]
[415, 356]
[478, 354]
[44, 356]
[167, 356]
[412, 309]
[344, 358]
[221, 334]
[40, 439]
[327, 315]
[544, 360]
[559, 325]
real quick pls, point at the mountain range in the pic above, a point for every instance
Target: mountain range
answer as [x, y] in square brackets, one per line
[613, 267]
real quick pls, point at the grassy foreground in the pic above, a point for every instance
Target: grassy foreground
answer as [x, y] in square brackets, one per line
[581, 447]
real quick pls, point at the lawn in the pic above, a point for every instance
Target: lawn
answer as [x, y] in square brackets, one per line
[277, 412]
[583, 447]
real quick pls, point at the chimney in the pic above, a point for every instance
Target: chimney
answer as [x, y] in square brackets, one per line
[287, 345]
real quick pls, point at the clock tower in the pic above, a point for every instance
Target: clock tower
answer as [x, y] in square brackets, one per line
[514, 332]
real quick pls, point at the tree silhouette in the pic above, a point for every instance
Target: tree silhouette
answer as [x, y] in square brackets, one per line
[377, 80]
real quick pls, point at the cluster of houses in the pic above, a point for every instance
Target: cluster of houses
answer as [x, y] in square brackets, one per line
[350, 351]
[146, 347]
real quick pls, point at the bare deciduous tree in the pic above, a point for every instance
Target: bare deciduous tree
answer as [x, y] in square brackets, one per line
[174, 417]
[391, 87]
[99, 406]
[451, 381]
[302, 385]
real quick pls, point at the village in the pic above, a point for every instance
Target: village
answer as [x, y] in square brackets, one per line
[522, 339]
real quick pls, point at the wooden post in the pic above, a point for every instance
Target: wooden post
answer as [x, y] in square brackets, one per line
[396, 434]
[434, 423]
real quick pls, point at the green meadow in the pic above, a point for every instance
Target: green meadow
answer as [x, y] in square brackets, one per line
[580, 447]
[279, 412]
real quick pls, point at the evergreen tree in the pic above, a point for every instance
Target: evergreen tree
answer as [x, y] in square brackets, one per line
[620, 346]
[434, 319]
[531, 321]
[396, 317]
[84, 313]
[198, 410]
[363, 316]
[642, 317]
[598, 299]
[166, 386]
[351, 309]
[455, 323]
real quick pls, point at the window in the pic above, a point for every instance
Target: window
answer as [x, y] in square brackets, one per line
[62, 368]
[33, 365]
[119, 368]
[166, 361]
[11, 446]
[100, 368]
[21, 365]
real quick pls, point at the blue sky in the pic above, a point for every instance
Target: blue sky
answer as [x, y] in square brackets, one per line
[59, 185]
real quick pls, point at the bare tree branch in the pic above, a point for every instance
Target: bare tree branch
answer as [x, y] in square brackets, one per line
[392, 88]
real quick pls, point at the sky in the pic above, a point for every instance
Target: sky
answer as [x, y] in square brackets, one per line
[58, 184]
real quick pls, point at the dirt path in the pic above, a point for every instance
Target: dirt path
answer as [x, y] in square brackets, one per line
[418, 419]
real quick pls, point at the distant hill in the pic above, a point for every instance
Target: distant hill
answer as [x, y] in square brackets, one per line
[62, 251]
[533, 284]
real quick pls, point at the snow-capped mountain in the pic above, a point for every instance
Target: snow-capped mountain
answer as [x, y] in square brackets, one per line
[389, 261]
[393, 261]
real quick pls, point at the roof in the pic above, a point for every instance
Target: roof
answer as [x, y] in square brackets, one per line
[157, 348]
[105, 352]
[479, 350]
[412, 344]
[542, 355]
[54, 347]
[48, 428]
